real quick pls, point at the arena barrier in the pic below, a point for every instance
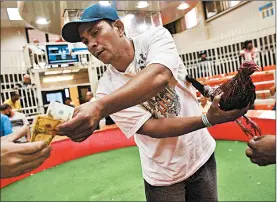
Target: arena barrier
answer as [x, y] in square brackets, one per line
[104, 140]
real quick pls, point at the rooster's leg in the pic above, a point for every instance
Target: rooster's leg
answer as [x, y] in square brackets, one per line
[254, 126]
[247, 131]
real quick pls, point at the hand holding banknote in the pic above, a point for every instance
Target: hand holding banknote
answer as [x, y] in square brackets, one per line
[17, 159]
[44, 127]
[85, 120]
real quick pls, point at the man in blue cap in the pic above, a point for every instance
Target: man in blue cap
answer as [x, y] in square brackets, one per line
[145, 93]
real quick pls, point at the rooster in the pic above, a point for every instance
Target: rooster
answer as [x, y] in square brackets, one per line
[238, 93]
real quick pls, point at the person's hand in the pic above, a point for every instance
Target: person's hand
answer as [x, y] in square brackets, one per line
[262, 150]
[85, 120]
[20, 158]
[216, 116]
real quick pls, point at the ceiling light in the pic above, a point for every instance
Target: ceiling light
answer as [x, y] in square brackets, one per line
[42, 21]
[142, 4]
[183, 6]
[13, 14]
[105, 3]
[52, 72]
[57, 79]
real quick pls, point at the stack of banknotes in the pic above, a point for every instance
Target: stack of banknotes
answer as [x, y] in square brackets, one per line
[44, 127]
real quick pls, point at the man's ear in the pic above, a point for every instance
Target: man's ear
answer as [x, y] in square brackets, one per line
[120, 27]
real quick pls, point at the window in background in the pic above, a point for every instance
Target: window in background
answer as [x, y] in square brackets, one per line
[66, 92]
[213, 8]
[191, 18]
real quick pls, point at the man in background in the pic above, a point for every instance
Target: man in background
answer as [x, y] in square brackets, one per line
[204, 104]
[6, 126]
[89, 97]
[68, 102]
[14, 101]
[18, 120]
[27, 80]
[204, 65]
[250, 52]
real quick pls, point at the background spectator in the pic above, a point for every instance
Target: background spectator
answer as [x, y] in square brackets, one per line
[89, 97]
[14, 101]
[18, 120]
[6, 126]
[249, 52]
[204, 104]
[68, 102]
[204, 65]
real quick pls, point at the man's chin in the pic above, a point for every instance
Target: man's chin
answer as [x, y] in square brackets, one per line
[105, 61]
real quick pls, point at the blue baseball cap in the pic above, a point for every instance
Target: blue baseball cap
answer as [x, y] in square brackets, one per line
[91, 14]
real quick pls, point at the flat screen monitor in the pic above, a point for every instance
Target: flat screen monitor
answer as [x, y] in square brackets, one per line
[53, 97]
[59, 54]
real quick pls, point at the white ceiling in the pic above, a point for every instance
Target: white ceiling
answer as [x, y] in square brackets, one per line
[54, 11]
[5, 21]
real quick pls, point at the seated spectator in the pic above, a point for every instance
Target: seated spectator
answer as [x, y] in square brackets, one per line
[204, 65]
[6, 126]
[18, 120]
[89, 97]
[26, 82]
[68, 102]
[14, 101]
[204, 104]
[249, 52]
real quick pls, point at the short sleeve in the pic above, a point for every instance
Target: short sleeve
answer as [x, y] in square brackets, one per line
[162, 49]
[7, 127]
[128, 120]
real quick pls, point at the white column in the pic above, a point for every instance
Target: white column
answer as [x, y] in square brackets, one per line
[39, 96]
[93, 80]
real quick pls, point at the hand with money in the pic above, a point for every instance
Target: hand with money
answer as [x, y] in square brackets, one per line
[85, 120]
[44, 127]
[17, 159]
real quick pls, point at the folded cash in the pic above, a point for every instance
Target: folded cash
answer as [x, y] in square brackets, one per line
[44, 129]
[60, 111]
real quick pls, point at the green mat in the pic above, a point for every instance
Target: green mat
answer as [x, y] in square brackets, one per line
[116, 175]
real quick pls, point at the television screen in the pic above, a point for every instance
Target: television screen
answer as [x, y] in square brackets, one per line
[54, 97]
[59, 54]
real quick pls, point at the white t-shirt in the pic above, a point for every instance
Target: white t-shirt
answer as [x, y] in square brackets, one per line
[169, 160]
[250, 55]
[18, 121]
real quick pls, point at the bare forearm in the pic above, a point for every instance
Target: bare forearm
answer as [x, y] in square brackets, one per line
[171, 127]
[145, 85]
